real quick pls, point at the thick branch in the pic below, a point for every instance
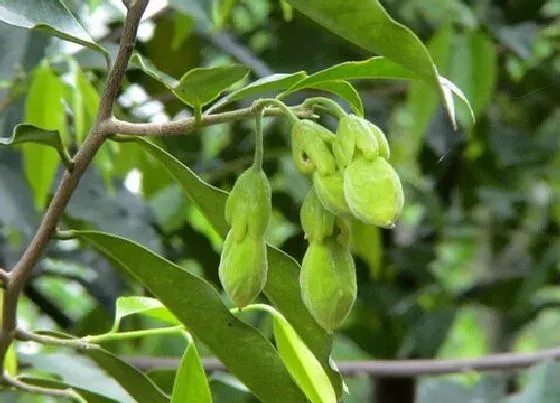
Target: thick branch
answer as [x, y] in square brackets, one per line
[24, 267]
[393, 368]
[186, 126]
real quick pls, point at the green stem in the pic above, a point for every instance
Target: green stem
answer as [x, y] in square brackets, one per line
[331, 106]
[258, 308]
[66, 159]
[101, 338]
[61, 235]
[279, 104]
[197, 115]
[259, 139]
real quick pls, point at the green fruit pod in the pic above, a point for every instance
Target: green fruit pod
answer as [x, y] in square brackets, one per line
[373, 192]
[316, 221]
[249, 205]
[243, 268]
[310, 147]
[384, 150]
[328, 283]
[330, 190]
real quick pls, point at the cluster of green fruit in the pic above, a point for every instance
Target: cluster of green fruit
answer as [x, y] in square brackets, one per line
[352, 179]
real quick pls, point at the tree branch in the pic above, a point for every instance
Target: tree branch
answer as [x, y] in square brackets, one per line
[391, 368]
[186, 126]
[24, 267]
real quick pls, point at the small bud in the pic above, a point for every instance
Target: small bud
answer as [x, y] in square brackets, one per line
[373, 191]
[316, 221]
[384, 150]
[328, 283]
[310, 147]
[248, 206]
[243, 268]
[330, 190]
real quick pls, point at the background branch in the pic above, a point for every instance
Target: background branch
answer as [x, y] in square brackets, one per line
[391, 368]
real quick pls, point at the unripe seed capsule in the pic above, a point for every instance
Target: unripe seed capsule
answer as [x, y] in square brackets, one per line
[248, 206]
[384, 150]
[328, 283]
[330, 190]
[243, 268]
[316, 221]
[373, 191]
[310, 147]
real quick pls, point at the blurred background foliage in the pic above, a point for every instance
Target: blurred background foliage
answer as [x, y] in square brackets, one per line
[473, 265]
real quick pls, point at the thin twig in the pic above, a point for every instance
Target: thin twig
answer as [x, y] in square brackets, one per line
[24, 267]
[392, 368]
[65, 393]
[186, 126]
[80, 344]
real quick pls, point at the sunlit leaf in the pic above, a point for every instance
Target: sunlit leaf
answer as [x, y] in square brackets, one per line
[44, 109]
[146, 306]
[300, 361]
[191, 384]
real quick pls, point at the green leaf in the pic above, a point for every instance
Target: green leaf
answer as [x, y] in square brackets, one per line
[209, 199]
[200, 86]
[49, 16]
[31, 134]
[287, 10]
[373, 68]
[44, 109]
[367, 24]
[245, 352]
[151, 307]
[474, 70]
[299, 360]
[221, 11]
[191, 384]
[282, 286]
[274, 82]
[345, 90]
[148, 67]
